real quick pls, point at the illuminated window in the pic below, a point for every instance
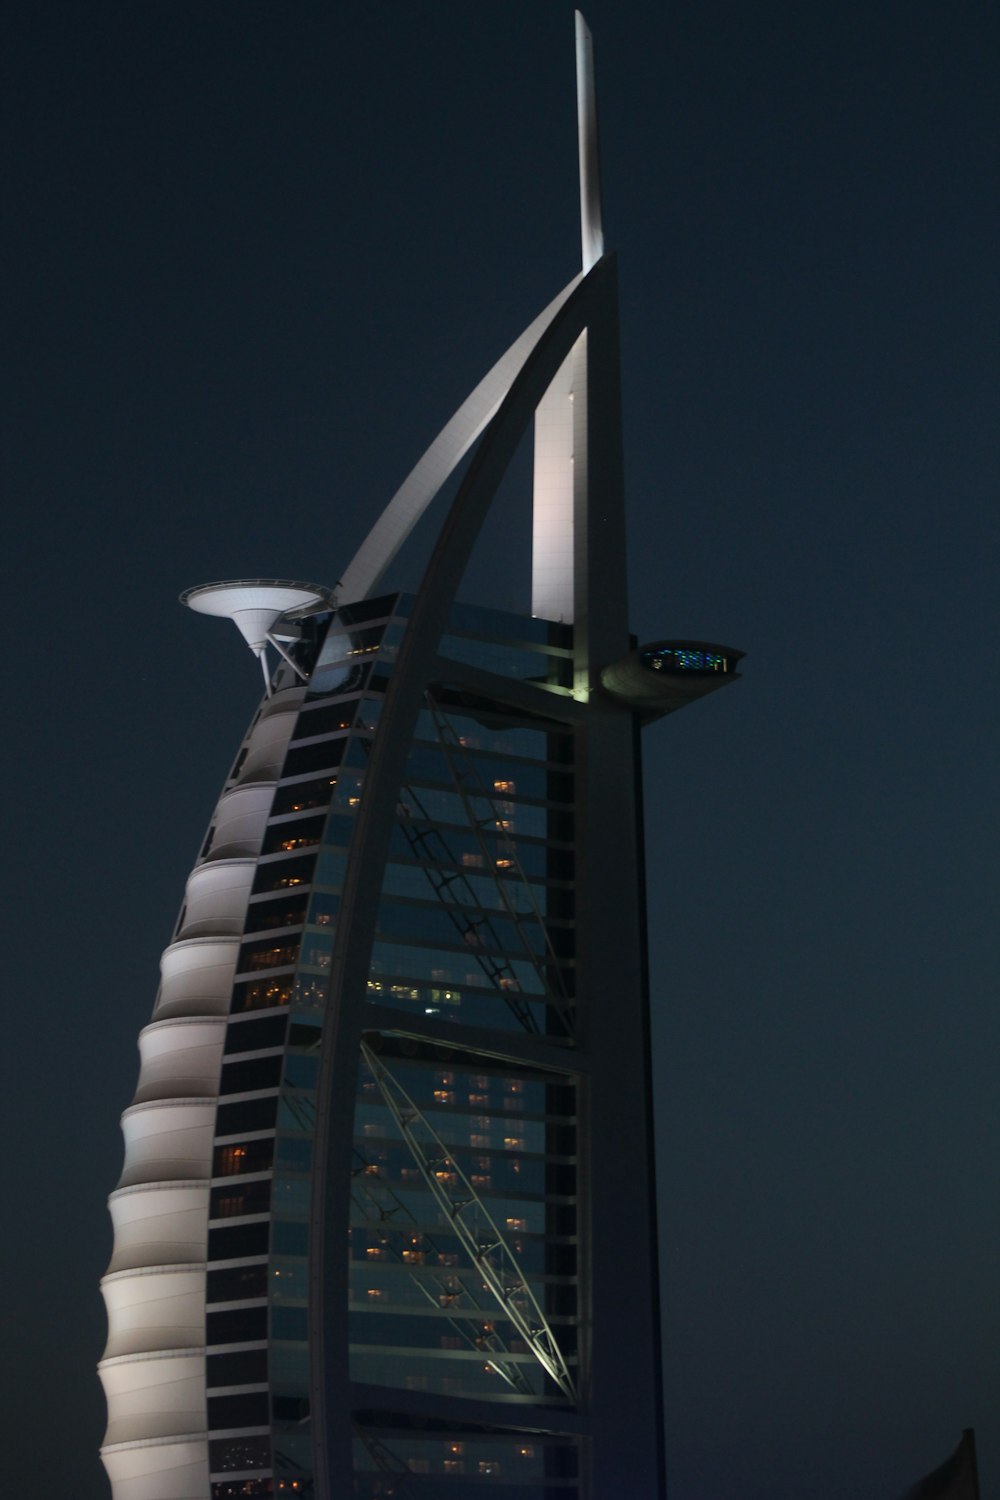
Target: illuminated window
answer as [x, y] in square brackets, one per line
[517, 1223]
[505, 786]
[514, 1142]
[376, 1252]
[489, 1466]
[376, 1293]
[479, 1140]
[231, 1160]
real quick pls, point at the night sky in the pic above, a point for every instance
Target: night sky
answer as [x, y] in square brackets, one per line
[256, 254]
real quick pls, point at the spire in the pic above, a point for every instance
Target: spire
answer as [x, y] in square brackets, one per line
[591, 228]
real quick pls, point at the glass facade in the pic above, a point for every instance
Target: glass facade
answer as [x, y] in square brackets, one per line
[463, 1268]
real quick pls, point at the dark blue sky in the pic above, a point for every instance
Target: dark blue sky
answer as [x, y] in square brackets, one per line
[257, 253]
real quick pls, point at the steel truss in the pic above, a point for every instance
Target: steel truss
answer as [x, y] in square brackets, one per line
[380, 1214]
[470, 772]
[473, 1225]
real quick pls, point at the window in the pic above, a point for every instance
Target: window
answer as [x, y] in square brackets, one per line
[250, 1156]
[245, 1077]
[255, 1035]
[232, 1455]
[261, 994]
[233, 1242]
[236, 1284]
[245, 1367]
[248, 1410]
[245, 1325]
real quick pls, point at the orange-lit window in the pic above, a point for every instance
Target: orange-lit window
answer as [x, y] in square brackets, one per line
[231, 1160]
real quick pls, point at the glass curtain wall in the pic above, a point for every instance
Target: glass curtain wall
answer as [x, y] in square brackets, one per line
[463, 1212]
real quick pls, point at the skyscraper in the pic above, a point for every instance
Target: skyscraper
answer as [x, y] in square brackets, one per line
[386, 1223]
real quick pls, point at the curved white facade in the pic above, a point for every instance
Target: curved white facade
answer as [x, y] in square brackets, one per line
[153, 1369]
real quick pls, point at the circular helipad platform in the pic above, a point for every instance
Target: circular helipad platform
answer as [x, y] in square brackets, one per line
[254, 604]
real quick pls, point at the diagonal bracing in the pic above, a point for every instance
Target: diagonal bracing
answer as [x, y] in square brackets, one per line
[473, 1225]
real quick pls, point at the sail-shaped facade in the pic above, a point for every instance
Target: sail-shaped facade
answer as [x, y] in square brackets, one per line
[386, 1224]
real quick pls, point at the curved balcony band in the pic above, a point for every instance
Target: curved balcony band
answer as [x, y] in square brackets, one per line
[153, 1369]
